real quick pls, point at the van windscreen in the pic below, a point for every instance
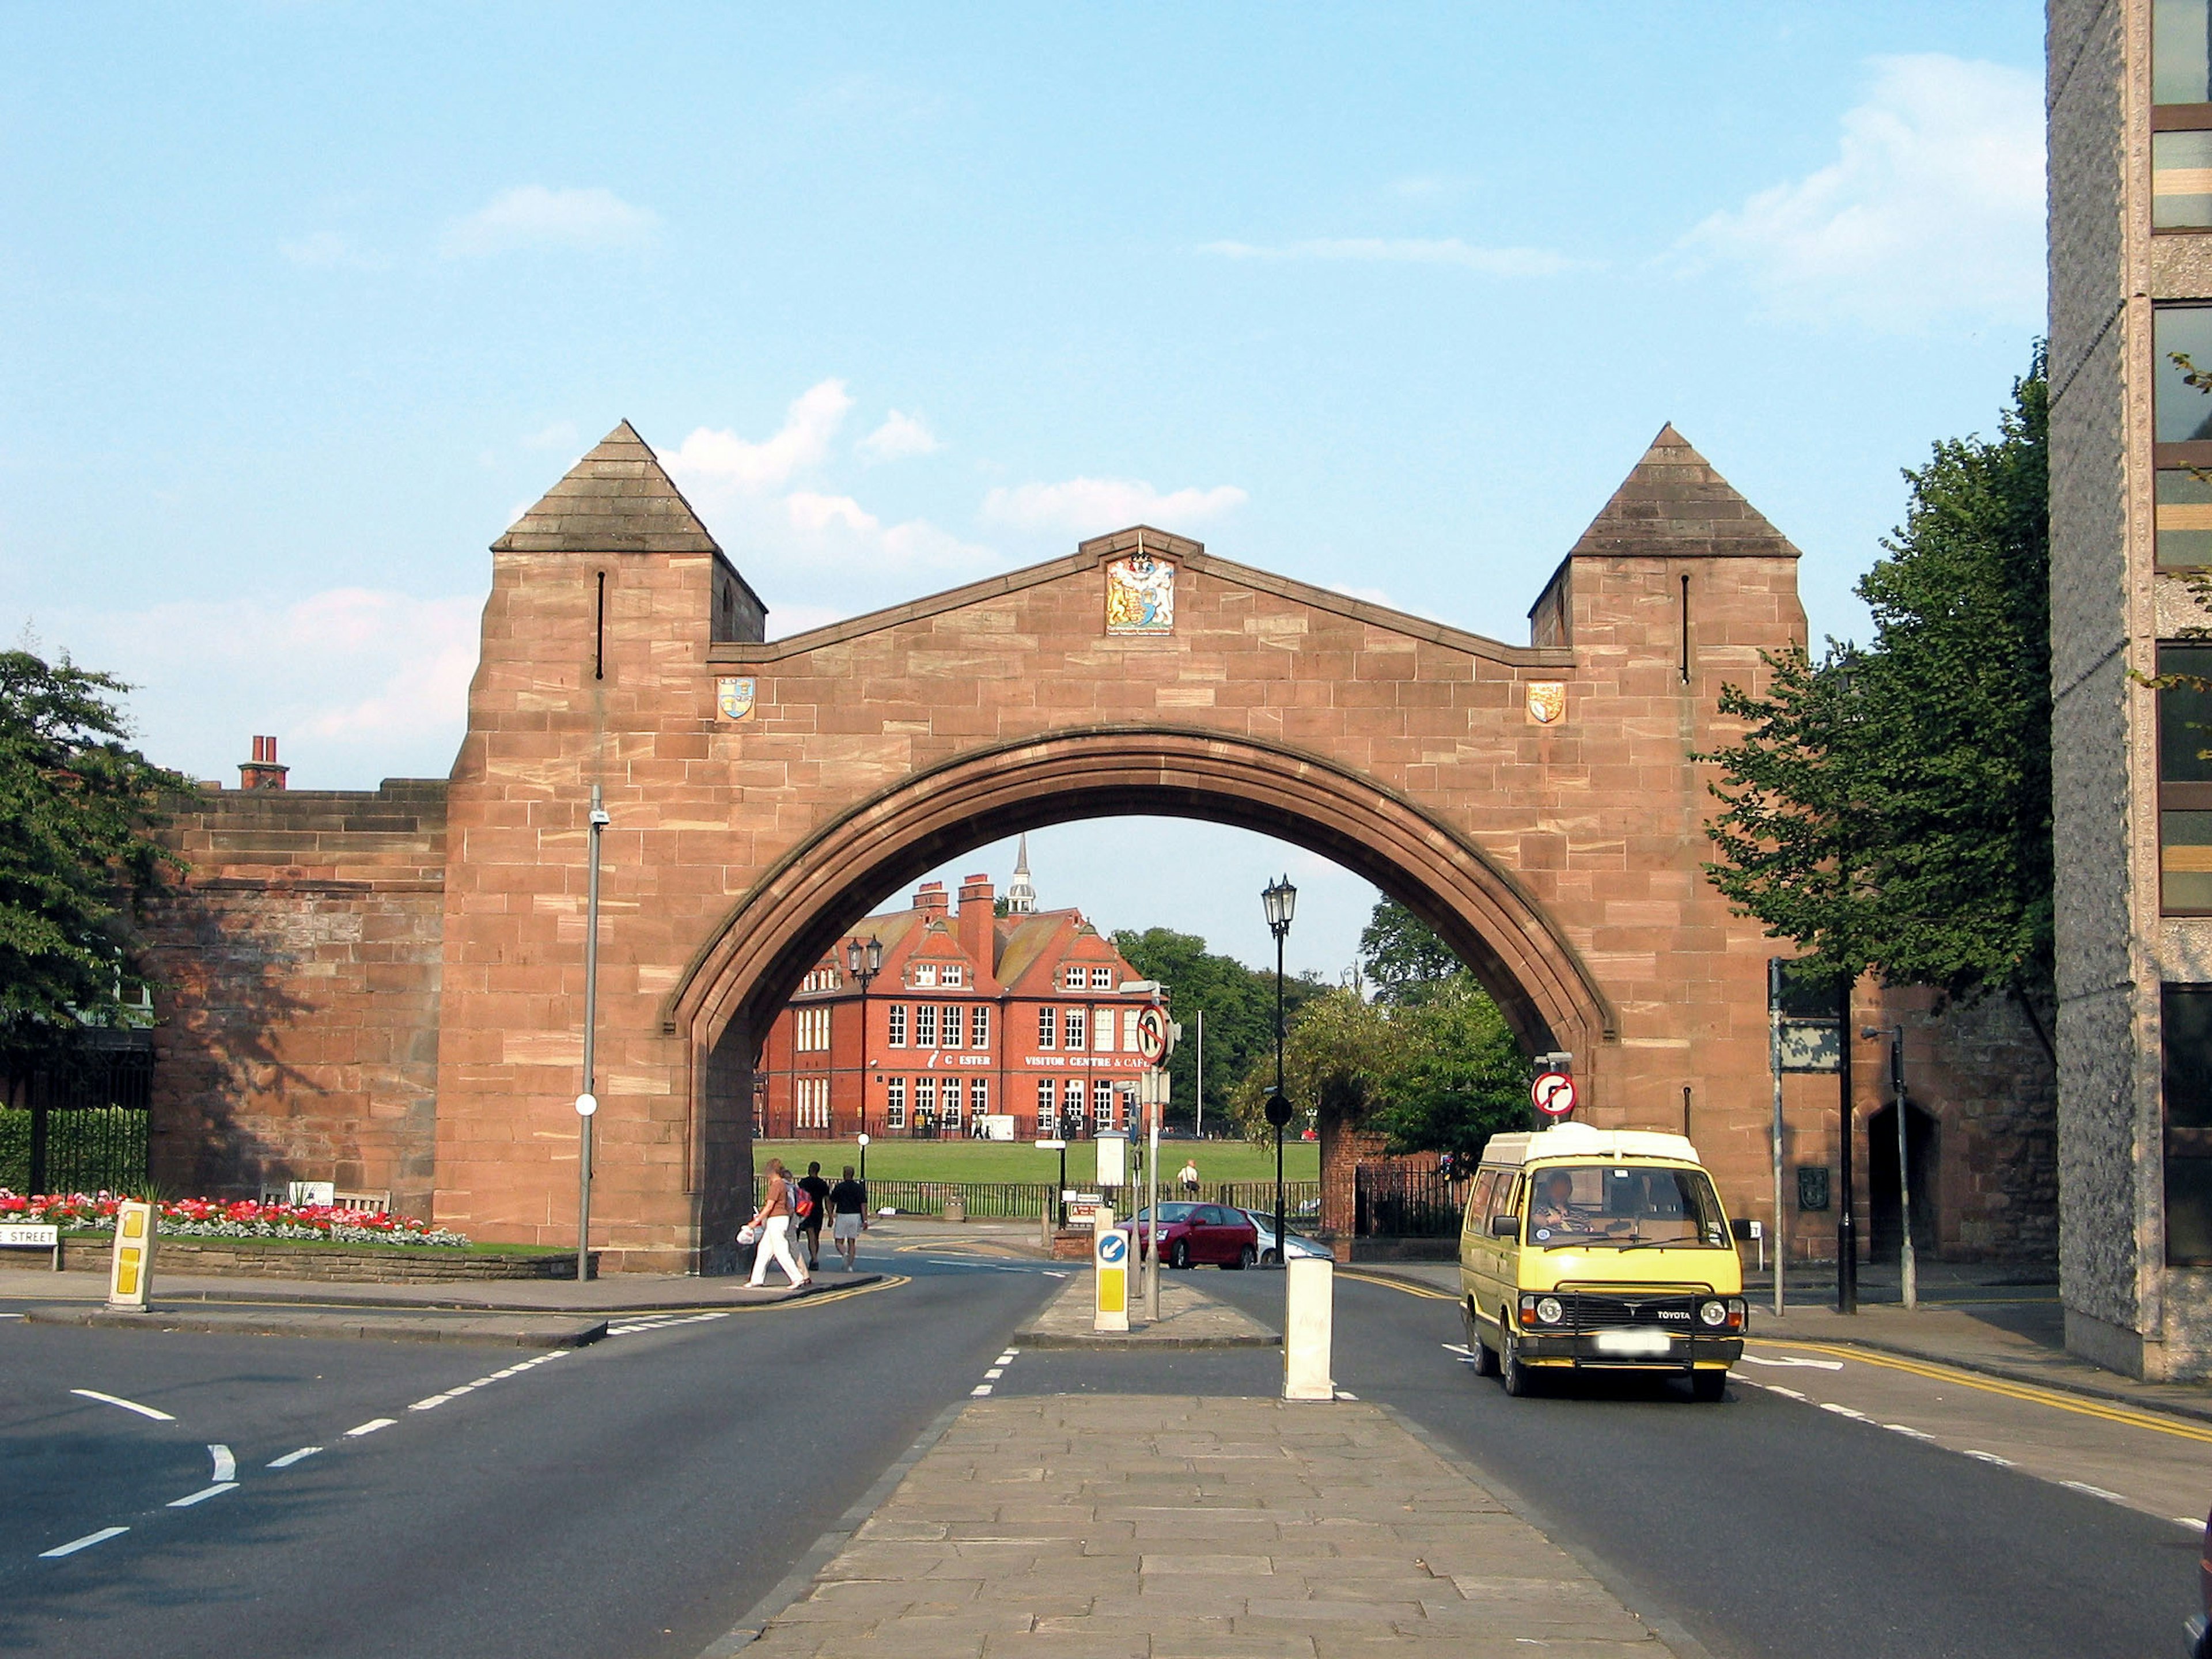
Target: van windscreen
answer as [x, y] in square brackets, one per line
[1623, 1207]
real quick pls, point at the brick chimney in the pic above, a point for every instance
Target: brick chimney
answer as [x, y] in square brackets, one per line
[262, 772]
[978, 907]
[929, 899]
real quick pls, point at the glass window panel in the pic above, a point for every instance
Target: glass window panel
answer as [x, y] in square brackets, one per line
[2180, 180]
[2189, 1211]
[979, 1027]
[925, 1025]
[2183, 349]
[2181, 51]
[952, 1027]
[2185, 860]
[2184, 716]
[2182, 515]
[1047, 1027]
[2187, 1041]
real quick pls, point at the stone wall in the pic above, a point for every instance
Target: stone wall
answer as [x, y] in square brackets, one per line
[297, 968]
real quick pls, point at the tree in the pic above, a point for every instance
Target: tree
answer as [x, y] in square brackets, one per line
[1339, 1053]
[1403, 956]
[1889, 808]
[77, 806]
[1239, 1003]
[1458, 1075]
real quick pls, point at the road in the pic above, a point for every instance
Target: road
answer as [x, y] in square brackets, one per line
[638, 1497]
[1768, 1526]
[632, 1498]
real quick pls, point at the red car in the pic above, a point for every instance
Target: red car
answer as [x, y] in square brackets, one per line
[1191, 1233]
[2199, 1636]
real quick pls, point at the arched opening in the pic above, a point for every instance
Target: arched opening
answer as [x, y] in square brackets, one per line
[778, 931]
[1921, 1131]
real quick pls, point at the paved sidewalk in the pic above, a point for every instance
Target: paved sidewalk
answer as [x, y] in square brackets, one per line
[1151, 1527]
[616, 1293]
[1997, 1326]
[1189, 1318]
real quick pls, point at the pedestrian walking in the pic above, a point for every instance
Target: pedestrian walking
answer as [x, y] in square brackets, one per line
[1189, 1176]
[848, 1217]
[774, 1220]
[815, 1193]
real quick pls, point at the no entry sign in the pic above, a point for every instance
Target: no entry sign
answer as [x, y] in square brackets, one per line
[1553, 1092]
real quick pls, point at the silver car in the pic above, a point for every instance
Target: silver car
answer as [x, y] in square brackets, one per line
[1300, 1245]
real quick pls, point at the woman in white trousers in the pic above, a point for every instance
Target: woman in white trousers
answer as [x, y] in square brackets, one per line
[774, 1220]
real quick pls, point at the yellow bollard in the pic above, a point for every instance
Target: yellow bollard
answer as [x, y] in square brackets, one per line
[130, 1273]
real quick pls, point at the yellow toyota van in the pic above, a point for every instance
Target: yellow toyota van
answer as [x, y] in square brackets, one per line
[1599, 1249]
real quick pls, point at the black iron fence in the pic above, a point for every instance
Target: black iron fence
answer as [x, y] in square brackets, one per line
[1394, 1203]
[84, 1131]
[1020, 1201]
[1301, 1199]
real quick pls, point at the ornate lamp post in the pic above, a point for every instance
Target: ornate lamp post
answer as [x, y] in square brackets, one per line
[863, 963]
[1280, 900]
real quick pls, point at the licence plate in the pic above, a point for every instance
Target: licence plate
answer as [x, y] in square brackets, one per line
[1644, 1343]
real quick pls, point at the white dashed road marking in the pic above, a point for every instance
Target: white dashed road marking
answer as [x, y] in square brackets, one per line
[83, 1543]
[226, 1466]
[370, 1427]
[292, 1457]
[203, 1494]
[127, 1405]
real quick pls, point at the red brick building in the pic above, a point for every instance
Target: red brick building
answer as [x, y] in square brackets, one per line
[973, 1016]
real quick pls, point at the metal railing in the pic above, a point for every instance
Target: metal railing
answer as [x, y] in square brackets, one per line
[87, 1150]
[1395, 1203]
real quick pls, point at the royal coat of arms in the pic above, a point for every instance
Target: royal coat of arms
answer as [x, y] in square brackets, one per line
[1140, 595]
[733, 698]
[1547, 700]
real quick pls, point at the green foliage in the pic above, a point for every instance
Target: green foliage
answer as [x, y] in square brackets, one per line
[1889, 808]
[1240, 1012]
[1403, 956]
[1459, 1076]
[77, 806]
[1431, 1062]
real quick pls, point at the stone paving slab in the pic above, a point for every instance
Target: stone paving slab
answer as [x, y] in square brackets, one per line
[1349, 1536]
[495, 1330]
[1189, 1318]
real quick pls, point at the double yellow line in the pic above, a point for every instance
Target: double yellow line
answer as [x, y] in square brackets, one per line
[1389, 1284]
[2028, 1393]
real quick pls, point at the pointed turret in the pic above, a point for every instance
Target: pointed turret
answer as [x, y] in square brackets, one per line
[616, 500]
[1021, 896]
[1674, 505]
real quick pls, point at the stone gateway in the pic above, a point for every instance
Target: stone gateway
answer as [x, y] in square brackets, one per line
[386, 988]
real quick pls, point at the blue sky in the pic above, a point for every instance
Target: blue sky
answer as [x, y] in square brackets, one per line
[300, 304]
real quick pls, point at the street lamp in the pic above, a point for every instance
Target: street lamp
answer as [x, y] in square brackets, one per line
[587, 1103]
[1279, 899]
[863, 963]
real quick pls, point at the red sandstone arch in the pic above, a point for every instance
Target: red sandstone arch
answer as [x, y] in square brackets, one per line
[800, 908]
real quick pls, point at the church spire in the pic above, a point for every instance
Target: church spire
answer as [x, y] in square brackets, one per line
[1021, 895]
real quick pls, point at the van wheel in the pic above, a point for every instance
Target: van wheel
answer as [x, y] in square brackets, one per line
[1709, 1387]
[1511, 1373]
[1486, 1363]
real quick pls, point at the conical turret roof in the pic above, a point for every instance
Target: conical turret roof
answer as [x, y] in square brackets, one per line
[616, 500]
[1673, 504]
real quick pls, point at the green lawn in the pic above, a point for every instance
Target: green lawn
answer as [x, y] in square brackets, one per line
[983, 1160]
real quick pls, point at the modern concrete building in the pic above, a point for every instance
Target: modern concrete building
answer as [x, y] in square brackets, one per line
[2130, 110]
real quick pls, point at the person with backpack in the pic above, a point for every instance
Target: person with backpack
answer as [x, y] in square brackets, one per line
[773, 1220]
[810, 1196]
[848, 1212]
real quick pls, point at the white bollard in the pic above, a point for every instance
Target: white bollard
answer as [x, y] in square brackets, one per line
[1308, 1322]
[130, 1269]
[1110, 1267]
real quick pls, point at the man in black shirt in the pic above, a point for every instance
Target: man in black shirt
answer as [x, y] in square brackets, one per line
[810, 1224]
[849, 1208]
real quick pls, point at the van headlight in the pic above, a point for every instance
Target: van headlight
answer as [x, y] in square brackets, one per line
[1548, 1310]
[1712, 1314]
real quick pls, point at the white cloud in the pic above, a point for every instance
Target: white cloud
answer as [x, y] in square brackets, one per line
[720, 461]
[1933, 209]
[817, 512]
[561, 434]
[899, 437]
[1091, 506]
[357, 683]
[534, 216]
[1410, 249]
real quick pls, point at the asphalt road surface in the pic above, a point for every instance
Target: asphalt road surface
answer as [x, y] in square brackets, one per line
[633, 1498]
[1768, 1526]
[638, 1497]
